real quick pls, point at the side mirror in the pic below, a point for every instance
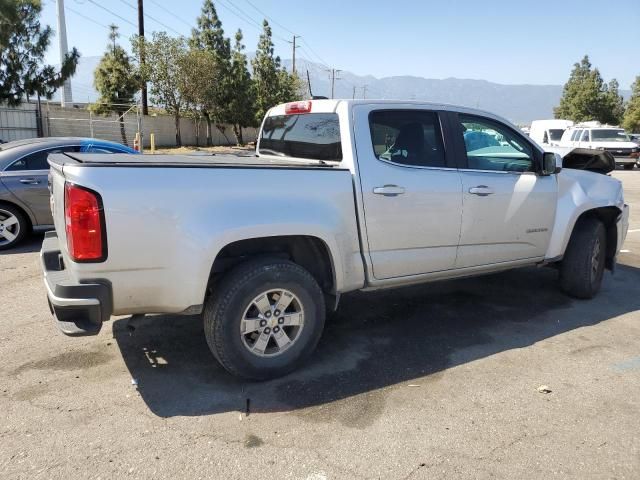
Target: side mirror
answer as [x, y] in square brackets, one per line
[551, 163]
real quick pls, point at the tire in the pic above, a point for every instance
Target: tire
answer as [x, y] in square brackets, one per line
[628, 166]
[13, 226]
[233, 306]
[582, 267]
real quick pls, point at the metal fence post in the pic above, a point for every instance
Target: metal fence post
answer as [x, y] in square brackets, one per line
[91, 123]
[140, 127]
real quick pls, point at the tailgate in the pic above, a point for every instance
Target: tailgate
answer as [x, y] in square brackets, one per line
[56, 202]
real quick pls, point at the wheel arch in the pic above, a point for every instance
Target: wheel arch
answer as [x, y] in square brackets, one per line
[608, 215]
[308, 251]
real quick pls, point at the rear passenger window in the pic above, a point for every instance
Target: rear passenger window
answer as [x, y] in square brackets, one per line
[38, 160]
[585, 136]
[311, 135]
[407, 137]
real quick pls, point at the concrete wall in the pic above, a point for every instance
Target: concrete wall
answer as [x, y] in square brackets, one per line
[76, 121]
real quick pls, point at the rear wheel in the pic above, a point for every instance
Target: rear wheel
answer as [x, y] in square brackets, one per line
[264, 318]
[13, 226]
[582, 267]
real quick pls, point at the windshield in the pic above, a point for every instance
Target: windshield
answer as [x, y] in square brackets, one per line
[555, 133]
[609, 135]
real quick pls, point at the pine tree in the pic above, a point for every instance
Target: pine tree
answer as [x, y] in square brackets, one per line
[586, 97]
[272, 83]
[116, 80]
[242, 105]
[23, 43]
[209, 36]
[613, 104]
[631, 120]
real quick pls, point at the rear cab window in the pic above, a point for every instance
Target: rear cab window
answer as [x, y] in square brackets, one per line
[407, 137]
[314, 136]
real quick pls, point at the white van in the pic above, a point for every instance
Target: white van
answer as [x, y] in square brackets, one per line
[548, 132]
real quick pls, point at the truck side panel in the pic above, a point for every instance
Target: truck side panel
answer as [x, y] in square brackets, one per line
[165, 226]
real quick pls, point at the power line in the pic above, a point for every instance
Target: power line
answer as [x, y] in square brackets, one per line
[112, 13]
[150, 18]
[238, 12]
[171, 13]
[275, 22]
[86, 18]
[314, 52]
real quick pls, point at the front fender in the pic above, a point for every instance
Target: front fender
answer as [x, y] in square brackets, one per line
[578, 192]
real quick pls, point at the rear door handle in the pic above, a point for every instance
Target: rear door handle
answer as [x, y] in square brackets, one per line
[30, 181]
[481, 191]
[389, 190]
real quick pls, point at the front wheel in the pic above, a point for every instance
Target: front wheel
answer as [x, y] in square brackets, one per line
[628, 166]
[264, 318]
[582, 267]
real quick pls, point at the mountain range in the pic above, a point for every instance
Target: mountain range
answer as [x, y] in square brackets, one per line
[519, 103]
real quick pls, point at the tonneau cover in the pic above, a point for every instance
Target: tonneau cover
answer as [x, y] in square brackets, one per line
[198, 160]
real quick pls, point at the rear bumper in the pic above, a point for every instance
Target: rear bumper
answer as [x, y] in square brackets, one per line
[625, 160]
[79, 309]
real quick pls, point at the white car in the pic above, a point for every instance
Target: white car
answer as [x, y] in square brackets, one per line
[342, 195]
[603, 137]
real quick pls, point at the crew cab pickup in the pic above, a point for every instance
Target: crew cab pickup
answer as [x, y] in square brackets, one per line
[341, 195]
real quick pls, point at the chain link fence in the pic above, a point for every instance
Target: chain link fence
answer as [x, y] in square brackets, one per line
[121, 127]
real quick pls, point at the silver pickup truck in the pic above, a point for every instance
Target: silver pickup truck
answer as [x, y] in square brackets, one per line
[342, 195]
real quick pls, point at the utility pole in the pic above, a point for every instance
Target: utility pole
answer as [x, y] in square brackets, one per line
[145, 106]
[354, 92]
[293, 68]
[364, 91]
[65, 95]
[333, 72]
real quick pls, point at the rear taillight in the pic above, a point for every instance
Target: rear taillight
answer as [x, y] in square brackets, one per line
[297, 107]
[84, 224]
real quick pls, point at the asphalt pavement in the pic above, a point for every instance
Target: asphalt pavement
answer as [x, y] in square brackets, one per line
[434, 381]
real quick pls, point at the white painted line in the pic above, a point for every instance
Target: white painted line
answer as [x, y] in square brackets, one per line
[625, 251]
[635, 230]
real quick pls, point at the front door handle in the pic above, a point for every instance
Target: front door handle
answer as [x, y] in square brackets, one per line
[389, 190]
[30, 181]
[481, 191]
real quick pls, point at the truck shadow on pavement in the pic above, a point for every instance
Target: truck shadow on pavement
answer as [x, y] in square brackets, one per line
[376, 340]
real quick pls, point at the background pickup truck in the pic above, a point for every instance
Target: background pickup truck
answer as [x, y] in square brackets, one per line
[342, 195]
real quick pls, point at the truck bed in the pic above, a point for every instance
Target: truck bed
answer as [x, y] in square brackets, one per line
[198, 161]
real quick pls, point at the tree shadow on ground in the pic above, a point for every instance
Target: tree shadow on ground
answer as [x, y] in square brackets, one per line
[375, 340]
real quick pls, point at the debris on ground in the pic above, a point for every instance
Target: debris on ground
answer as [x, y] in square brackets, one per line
[544, 389]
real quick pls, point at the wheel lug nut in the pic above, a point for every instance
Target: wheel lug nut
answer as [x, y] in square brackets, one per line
[276, 329]
[267, 330]
[268, 314]
[263, 323]
[276, 313]
[281, 320]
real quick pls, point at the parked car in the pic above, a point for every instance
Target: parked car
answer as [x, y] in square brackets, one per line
[24, 195]
[549, 132]
[603, 137]
[343, 195]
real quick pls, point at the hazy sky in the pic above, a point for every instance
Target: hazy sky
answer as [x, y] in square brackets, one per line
[514, 41]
